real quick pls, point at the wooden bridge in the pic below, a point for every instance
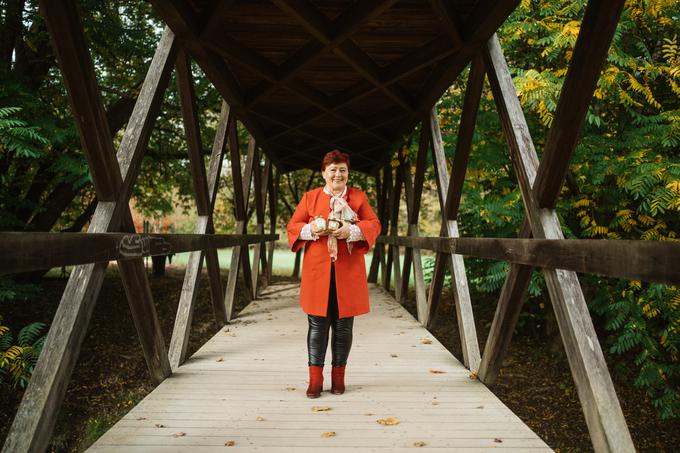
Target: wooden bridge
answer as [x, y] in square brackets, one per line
[305, 77]
[247, 384]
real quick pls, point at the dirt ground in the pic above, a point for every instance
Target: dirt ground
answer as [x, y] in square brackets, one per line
[111, 377]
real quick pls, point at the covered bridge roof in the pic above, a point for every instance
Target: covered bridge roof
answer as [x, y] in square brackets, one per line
[309, 76]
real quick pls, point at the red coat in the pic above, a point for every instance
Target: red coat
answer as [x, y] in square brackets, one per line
[350, 269]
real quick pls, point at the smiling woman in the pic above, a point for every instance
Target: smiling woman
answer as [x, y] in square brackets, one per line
[336, 226]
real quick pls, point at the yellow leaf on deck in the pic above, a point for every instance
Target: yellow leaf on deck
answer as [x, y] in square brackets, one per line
[320, 408]
[229, 443]
[180, 434]
[419, 443]
[389, 421]
[438, 371]
[259, 418]
[473, 375]
[425, 341]
[328, 434]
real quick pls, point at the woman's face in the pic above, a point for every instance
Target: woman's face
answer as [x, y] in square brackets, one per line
[336, 176]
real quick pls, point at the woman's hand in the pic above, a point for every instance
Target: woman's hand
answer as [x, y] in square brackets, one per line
[342, 232]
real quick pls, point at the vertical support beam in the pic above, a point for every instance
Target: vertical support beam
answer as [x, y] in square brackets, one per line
[239, 254]
[36, 416]
[461, 292]
[413, 192]
[386, 255]
[394, 231]
[205, 188]
[375, 260]
[273, 207]
[606, 424]
[261, 178]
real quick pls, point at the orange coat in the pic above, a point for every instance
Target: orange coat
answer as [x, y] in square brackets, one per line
[350, 269]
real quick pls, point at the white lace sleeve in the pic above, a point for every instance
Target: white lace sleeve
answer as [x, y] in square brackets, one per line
[306, 233]
[355, 234]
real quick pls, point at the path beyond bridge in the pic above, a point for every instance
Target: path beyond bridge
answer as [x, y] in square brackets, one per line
[247, 384]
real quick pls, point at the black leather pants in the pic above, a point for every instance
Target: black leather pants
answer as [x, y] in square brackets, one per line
[319, 326]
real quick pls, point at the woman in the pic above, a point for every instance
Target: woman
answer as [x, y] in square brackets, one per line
[333, 288]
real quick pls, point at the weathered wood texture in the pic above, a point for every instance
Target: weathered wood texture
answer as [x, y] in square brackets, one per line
[239, 256]
[218, 395]
[461, 291]
[607, 426]
[69, 249]
[650, 261]
[37, 413]
[205, 192]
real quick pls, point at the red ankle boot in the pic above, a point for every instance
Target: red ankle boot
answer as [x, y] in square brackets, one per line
[315, 381]
[338, 380]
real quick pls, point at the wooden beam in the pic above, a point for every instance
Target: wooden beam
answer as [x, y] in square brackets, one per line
[342, 28]
[375, 259]
[385, 255]
[240, 255]
[273, 188]
[205, 190]
[459, 284]
[36, 416]
[590, 53]
[412, 256]
[466, 128]
[395, 201]
[647, 261]
[606, 424]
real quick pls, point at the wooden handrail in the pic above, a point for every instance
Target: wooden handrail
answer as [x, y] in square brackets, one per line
[651, 261]
[27, 251]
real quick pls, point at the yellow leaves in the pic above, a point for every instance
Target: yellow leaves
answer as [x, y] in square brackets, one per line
[229, 443]
[674, 186]
[419, 443]
[438, 371]
[473, 375]
[259, 418]
[583, 202]
[179, 434]
[426, 341]
[328, 434]
[389, 421]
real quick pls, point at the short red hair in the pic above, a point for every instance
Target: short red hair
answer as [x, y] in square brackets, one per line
[334, 157]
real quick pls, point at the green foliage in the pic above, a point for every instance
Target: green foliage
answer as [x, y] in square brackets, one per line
[19, 356]
[624, 179]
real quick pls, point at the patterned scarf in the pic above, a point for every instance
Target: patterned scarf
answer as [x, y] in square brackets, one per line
[340, 210]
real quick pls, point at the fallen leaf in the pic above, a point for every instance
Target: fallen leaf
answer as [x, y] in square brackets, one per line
[221, 359]
[141, 418]
[438, 371]
[290, 389]
[259, 418]
[498, 441]
[159, 425]
[229, 443]
[180, 434]
[394, 355]
[320, 408]
[388, 421]
[425, 341]
[368, 413]
[328, 434]
[435, 403]
[479, 407]
[473, 375]
[419, 443]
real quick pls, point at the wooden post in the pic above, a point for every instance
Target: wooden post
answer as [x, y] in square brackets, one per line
[386, 255]
[205, 188]
[261, 179]
[239, 255]
[375, 260]
[413, 196]
[273, 189]
[466, 322]
[395, 201]
[607, 426]
[36, 416]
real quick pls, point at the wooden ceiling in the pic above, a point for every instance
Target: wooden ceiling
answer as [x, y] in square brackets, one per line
[306, 77]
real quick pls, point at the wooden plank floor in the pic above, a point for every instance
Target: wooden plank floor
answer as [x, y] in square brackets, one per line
[244, 390]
